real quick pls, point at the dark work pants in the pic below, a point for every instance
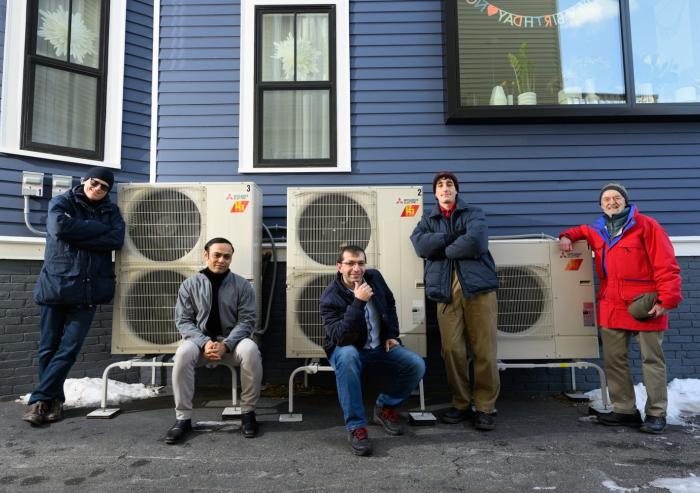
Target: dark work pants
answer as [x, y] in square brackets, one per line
[63, 330]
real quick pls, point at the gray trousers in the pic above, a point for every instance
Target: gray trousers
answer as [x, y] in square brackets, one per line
[620, 386]
[188, 357]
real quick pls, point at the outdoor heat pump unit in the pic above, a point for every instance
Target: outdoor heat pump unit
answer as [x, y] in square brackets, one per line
[378, 219]
[546, 300]
[167, 226]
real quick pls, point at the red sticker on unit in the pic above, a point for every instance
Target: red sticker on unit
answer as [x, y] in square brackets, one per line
[239, 205]
[588, 315]
[410, 210]
[574, 264]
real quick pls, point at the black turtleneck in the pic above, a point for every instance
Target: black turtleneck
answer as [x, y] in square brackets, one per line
[214, 321]
[614, 223]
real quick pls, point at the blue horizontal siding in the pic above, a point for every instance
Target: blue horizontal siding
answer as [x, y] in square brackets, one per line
[136, 126]
[528, 178]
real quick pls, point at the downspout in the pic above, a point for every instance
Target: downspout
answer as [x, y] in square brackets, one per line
[155, 77]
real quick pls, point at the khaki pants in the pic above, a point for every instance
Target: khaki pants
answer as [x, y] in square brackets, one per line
[615, 351]
[472, 320]
[188, 357]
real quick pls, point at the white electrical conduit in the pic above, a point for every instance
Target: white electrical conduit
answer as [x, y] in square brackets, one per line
[26, 218]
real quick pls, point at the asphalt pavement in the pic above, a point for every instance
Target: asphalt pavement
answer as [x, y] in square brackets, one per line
[541, 443]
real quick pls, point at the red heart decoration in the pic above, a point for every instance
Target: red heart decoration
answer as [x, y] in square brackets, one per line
[492, 10]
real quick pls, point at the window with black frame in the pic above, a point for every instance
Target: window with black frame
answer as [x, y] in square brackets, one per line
[566, 59]
[63, 108]
[295, 87]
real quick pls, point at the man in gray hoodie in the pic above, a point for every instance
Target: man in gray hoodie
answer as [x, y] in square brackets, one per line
[215, 313]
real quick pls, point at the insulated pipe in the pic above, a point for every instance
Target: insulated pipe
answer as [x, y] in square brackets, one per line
[26, 218]
[274, 278]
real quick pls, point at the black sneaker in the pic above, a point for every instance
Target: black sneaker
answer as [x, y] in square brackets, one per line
[453, 415]
[388, 418]
[249, 425]
[654, 424]
[484, 421]
[359, 441]
[178, 431]
[620, 419]
[55, 411]
[36, 413]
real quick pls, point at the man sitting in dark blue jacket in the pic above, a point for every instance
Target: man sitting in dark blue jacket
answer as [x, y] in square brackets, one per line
[83, 227]
[362, 333]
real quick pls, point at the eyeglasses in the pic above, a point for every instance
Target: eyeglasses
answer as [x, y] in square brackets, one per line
[96, 184]
[614, 198]
[353, 264]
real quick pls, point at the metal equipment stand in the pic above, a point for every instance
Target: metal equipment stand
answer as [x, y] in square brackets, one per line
[573, 365]
[416, 418]
[230, 412]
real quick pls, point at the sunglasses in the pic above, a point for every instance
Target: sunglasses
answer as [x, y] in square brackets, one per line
[96, 184]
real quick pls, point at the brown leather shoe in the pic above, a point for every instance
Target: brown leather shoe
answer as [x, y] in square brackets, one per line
[55, 411]
[36, 413]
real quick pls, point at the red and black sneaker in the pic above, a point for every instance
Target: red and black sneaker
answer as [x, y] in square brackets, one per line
[388, 418]
[359, 441]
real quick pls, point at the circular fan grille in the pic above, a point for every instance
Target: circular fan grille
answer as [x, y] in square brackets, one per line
[329, 222]
[521, 299]
[164, 225]
[308, 318]
[149, 304]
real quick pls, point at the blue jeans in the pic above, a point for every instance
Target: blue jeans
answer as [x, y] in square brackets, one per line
[63, 330]
[402, 368]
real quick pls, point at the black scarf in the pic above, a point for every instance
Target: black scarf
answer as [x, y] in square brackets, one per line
[214, 329]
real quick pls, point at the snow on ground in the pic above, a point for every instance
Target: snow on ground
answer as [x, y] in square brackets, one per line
[678, 485]
[87, 392]
[683, 400]
[690, 484]
[683, 396]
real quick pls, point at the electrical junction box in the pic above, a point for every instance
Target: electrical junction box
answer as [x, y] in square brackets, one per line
[32, 184]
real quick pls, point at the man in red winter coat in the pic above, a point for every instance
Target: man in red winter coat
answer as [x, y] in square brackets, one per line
[633, 257]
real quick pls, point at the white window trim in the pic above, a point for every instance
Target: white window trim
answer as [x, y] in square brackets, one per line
[247, 90]
[13, 80]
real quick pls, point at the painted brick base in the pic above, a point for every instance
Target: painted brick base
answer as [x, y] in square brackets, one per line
[19, 334]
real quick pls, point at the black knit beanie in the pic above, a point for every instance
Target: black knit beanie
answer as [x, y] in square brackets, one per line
[103, 174]
[445, 174]
[617, 187]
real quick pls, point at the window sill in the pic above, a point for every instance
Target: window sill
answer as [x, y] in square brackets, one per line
[57, 157]
[268, 170]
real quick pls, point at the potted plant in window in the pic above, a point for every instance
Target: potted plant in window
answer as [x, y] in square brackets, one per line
[524, 70]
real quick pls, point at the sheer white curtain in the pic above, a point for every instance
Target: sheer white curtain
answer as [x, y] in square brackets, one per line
[296, 122]
[64, 102]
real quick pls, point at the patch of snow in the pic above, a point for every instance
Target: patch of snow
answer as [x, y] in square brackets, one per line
[612, 486]
[678, 485]
[683, 399]
[87, 392]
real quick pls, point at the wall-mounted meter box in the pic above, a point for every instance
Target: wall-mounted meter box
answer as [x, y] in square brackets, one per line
[32, 184]
[60, 184]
